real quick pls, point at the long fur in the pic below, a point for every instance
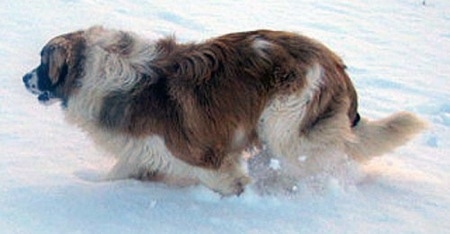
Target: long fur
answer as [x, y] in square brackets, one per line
[374, 138]
[171, 110]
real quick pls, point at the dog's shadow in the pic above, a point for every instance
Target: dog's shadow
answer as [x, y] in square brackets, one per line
[91, 175]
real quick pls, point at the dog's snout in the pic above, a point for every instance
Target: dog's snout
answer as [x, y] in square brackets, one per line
[26, 78]
[31, 83]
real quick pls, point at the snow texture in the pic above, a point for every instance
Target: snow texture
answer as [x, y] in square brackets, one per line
[397, 54]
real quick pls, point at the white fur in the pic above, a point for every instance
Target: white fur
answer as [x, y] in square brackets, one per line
[107, 71]
[279, 128]
[279, 125]
[138, 157]
[32, 83]
[259, 45]
[374, 138]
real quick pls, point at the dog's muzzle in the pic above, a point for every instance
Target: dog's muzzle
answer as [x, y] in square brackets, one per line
[30, 81]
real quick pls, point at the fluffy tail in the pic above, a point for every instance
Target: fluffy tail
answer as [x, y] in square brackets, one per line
[374, 138]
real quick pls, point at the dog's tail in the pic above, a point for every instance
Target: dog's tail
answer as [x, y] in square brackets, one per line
[374, 138]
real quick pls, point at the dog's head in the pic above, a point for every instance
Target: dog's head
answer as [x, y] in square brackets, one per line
[57, 75]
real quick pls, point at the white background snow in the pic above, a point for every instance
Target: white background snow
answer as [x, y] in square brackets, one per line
[398, 54]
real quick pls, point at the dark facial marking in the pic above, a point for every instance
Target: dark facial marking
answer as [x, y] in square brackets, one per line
[44, 82]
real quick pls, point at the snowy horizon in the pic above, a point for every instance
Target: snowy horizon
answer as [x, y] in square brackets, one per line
[397, 53]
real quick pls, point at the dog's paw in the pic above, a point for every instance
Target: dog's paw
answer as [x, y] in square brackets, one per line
[235, 186]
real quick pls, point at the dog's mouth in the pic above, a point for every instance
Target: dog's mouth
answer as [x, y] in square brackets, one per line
[47, 98]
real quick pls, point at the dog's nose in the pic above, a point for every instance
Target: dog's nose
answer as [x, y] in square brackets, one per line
[26, 78]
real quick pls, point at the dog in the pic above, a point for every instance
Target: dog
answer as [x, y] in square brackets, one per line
[189, 110]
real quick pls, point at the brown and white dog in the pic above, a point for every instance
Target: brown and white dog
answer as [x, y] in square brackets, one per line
[189, 110]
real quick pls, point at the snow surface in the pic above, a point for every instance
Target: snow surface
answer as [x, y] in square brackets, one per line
[398, 54]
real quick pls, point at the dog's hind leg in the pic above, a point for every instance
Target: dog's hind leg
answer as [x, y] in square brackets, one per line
[304, 151]
[306, 147]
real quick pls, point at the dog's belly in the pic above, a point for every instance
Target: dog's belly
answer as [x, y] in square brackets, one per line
[141, 157]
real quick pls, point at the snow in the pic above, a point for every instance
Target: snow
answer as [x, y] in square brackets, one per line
[398, 57]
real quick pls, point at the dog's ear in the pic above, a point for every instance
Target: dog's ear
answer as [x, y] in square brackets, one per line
[57, 63]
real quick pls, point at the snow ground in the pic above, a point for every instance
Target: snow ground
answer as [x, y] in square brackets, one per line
[397, 52]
